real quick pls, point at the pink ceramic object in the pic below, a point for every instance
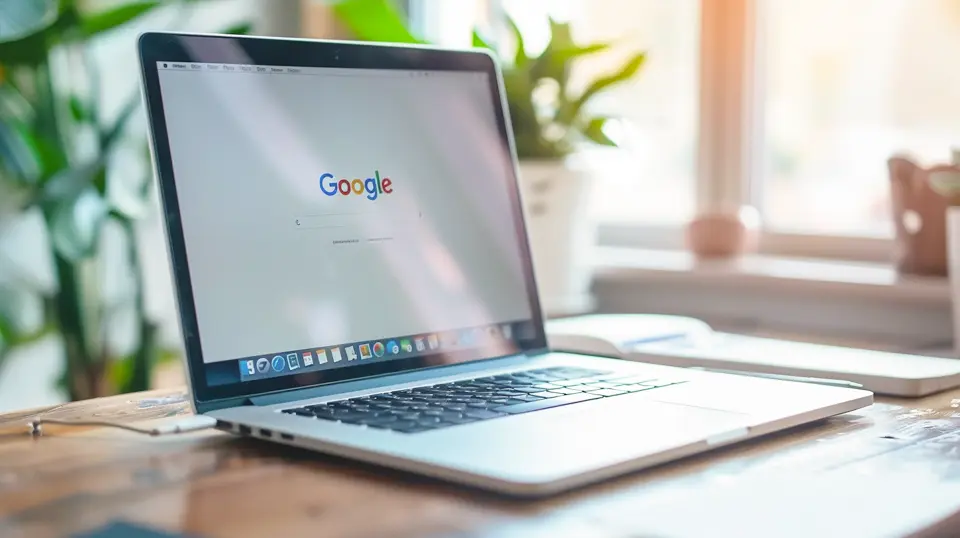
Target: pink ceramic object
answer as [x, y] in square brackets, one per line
[721, 235]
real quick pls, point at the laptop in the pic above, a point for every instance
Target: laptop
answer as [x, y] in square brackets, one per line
[353, 275]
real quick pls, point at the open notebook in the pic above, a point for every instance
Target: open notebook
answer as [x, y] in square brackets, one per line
[687, 342]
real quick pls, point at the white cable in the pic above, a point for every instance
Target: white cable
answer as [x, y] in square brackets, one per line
[189, 424]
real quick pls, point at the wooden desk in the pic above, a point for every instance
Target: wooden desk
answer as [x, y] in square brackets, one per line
[211, 484]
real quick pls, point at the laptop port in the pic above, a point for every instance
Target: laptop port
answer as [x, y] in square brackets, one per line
[245, 430]
[286, 437]
[266, 433]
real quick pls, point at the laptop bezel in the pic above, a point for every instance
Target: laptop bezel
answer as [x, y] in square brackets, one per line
[157, 47]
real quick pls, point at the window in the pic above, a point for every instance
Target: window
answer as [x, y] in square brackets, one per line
[791, 107]
[844, 92]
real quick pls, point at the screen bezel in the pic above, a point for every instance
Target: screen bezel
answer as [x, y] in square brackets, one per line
[175, 47]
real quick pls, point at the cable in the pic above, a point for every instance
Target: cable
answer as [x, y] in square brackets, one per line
[190, 424]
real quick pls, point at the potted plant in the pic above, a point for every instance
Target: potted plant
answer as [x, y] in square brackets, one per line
[56, 150]
[551, 121]
[946, 181]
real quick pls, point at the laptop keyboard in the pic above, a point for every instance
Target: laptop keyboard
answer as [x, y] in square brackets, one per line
[461, 402]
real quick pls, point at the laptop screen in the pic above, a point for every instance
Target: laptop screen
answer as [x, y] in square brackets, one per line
[334, 218]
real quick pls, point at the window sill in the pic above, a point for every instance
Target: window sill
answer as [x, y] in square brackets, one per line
[763, 292]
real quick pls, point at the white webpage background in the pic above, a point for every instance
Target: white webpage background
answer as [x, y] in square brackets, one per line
[248, 150]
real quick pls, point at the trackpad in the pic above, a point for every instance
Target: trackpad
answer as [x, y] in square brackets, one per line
[597, 434]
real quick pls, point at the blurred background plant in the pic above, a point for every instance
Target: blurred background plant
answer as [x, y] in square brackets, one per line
[58, 156]
[549, 118]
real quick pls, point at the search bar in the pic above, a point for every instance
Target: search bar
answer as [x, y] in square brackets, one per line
[352, 220]
[332, 220]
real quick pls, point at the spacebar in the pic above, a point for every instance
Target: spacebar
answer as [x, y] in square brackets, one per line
[545, 404]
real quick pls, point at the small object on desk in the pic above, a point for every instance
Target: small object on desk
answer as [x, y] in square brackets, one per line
[687, 342]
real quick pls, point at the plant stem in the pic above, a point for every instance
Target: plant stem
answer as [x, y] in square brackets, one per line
[69, 315]
[143, 357]
[48, 122]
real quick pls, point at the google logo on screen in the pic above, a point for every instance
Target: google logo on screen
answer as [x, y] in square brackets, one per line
[372, 186]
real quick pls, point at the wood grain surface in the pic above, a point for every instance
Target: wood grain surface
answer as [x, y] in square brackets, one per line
[210, 484]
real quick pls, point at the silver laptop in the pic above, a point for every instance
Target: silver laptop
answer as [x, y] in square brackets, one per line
[353, 275]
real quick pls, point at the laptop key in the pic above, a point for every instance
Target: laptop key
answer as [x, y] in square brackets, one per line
[632, 388]
[607, 392]
[546, 404]
[402, 424]
[660, 383]
[482, 414]
[459, 420]
[600, 385]
[568, 390]
[546, 394]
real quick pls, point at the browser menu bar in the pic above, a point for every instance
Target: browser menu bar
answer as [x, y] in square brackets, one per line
[294, 70]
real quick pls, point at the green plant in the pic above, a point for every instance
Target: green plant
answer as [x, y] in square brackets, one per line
[549, 118]
[945, 180]
[56, 148]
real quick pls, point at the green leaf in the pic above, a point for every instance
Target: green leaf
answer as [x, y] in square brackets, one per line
[238, 29]
[112, 134]
[373, 20]
[561, 35]
[593, 130]
[14, 304]
[627, 71]
[68, 183]
[112, 18]
[52, 159]
[13, 105]
[556, 63]
[78, 110]
[520, 58]
[33, 49]
[18, 153]
[76, 223]
[22, 18]
[480, 42]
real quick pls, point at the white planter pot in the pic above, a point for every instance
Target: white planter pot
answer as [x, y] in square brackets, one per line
[953, 255]
[561, 232]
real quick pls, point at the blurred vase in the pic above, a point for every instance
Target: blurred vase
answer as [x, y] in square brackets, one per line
[919, 215]
[561, 232]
